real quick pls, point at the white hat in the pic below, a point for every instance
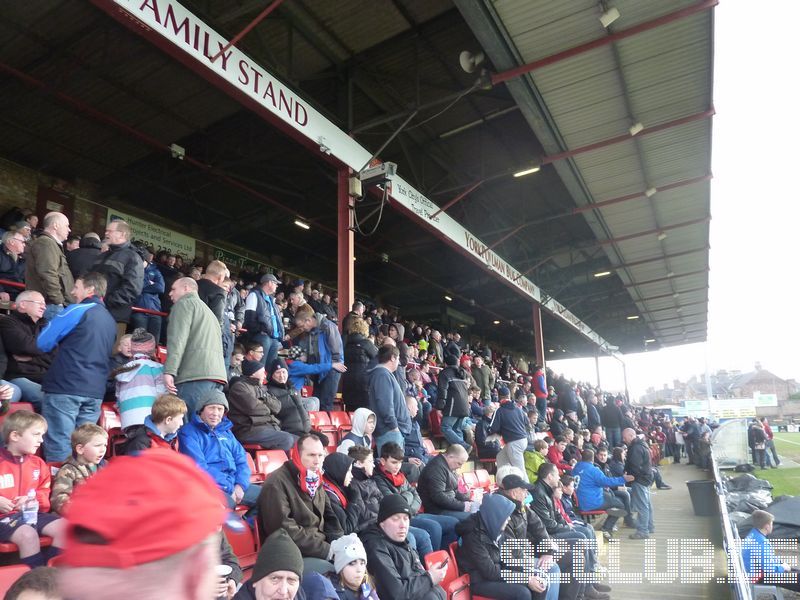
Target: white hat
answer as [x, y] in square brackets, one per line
[345, 550]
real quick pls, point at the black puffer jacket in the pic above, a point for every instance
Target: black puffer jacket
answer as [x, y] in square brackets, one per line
[453, 394]
[12, 270]
[124, 271]
[396, 568]
[370, 495]
[545, 509]
[292, 415]
[19, 335]
[352, 514]
[525, 524]
[478, 554]
[81, 259]
[358, 352]
[637, 462]
[438, 487]
[214, 297]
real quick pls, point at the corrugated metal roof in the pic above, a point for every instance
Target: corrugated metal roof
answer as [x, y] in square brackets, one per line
[654, 78]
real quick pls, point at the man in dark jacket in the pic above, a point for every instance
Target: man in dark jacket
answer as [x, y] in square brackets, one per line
[293, 414]
[27, 364]
[387, 401]
[637, 463]
[453, 400]
[254, 411]
[394, 565]
[592, 415]
[277, 572]
[76, 382]
[611, 417]
[323, 345]
[479, 554]
[438, 485]
[123, 268]
[511, 422]
[81, 259]
[12, 263]
[293, 499]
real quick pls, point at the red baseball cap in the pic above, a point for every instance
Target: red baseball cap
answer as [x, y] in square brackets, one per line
[140, 509]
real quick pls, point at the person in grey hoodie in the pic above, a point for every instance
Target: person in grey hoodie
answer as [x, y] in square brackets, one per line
[387, 400]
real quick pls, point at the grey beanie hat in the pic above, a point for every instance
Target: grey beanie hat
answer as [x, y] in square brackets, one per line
[212, 397]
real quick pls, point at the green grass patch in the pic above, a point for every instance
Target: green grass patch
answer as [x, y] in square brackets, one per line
[783, 480]
[788, 445]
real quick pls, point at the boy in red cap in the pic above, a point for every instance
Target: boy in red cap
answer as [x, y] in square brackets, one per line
[25, 481]
[144, 544]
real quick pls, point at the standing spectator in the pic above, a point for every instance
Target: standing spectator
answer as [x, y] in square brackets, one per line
[638, 464]
[194, 346]
[759, 438]
[150, 298]
[46, 269]
[12, 264]
[435, 348]
[482, 375]
[387, 400]
[540, 392]
[770, 443]
[262, 319]
[358, 352]
[356, 311]
[211, 290]
[323, 344]
[207, 438]
[453, 400]
[27, 365]
[254, 411]
[511, 422]
[81, 259]
[123, 268]
[76, 382]
[293, 499]
[611, 418]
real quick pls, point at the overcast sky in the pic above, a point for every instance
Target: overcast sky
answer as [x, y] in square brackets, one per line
[754, 300]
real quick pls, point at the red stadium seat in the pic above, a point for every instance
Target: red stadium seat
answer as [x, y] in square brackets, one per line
[436, 423]
[8, 547]
[456, 587]
[245, 546]
[268, 461]
[470, 480]
[255, 476]
[14, 407]
[485, 481]
[430, 448]
[319, 419]
[339, 418]
[9, 574]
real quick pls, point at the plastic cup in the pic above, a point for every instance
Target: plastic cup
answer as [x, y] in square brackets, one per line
[223, 570]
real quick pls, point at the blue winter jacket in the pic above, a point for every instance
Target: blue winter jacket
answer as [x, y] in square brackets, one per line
[298, 371]
[387, 401]
[329, 344]
[510, 421]
[216, 451]
[84, 334]
[590, 488]
[152, 290]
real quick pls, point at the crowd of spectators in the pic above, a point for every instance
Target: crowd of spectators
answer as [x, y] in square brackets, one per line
[248, 363]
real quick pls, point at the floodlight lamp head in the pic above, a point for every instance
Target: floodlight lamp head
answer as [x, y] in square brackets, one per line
[469, 61]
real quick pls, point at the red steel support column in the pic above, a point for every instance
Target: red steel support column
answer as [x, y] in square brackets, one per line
[346, 280]
[538, 337]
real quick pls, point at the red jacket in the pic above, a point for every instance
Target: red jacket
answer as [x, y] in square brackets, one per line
[768, 431]
[556, 456]
[157, 441]
[19, 474]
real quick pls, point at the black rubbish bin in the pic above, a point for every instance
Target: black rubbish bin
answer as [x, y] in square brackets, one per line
[704, 497]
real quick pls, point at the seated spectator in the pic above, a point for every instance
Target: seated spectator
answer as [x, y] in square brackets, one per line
[391, 480]
[81, 259]
[254, 411]
[116, 516]
[160, 428]
[511, 422]
[12, 264]
[438, 485]
[593, 492]
[363, 424]
[415, 451]
[236, 361]
[292, 499]
[140, 381]
[345, 501]
[556, 455]
[479, 555]
[759, 557]
[40, 583]
[208, 439]
[349, 576]
[22, 472]
[393, 563]
[319, 586]
[533, 460]
[89, 443]
[277, 572]
[75, 384]
[558, 423]
[27, 365]
[621, 492]
[293, 414]
[363, 482]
